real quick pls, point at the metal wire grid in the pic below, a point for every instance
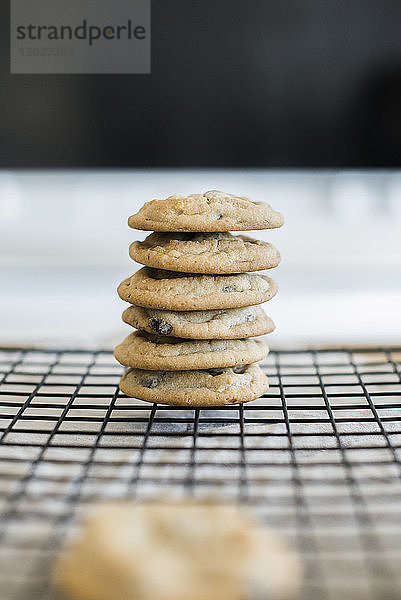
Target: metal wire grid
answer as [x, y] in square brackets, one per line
[318, 457]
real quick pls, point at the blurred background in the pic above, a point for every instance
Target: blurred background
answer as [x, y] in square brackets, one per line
[294, 103]
[279, 83]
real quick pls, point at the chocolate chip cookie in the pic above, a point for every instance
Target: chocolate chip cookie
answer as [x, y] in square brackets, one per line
[211, 253]
[168, 290]
[231, 323]
[212, 211]
[176, 550]
[142, 350]
[209, 387]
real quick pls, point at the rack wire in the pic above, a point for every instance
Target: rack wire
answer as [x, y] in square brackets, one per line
[318, 457]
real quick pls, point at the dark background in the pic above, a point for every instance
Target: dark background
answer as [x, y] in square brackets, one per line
[295, 83]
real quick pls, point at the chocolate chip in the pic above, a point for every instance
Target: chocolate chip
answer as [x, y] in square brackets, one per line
[159, 326]
[151, 382]
[229, 288]
[215, 372]
[249, 317]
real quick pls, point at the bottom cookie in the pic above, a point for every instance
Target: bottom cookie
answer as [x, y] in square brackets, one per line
[209, 387]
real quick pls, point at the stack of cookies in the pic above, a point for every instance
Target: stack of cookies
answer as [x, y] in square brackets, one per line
[195, 303]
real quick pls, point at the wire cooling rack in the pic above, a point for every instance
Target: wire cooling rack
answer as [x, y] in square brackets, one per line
[318, 457]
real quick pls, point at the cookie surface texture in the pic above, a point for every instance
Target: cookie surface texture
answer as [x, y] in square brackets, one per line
[208, 387]
[211, 211]
[168, 290]
[142, 350]
[231, 323]
[209, 253]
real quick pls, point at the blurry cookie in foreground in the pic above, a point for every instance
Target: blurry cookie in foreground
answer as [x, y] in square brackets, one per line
[176, 551]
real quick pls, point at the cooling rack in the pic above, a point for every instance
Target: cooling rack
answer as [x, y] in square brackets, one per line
[318, 458]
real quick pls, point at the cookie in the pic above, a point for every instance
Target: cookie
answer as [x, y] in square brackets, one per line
[168, 290]
[231, 323]
[175, 551]
[211, 211]
[211, 387]
[142, 350]
[211, 253]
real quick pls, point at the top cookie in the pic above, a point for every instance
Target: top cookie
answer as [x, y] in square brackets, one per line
[211, 211]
